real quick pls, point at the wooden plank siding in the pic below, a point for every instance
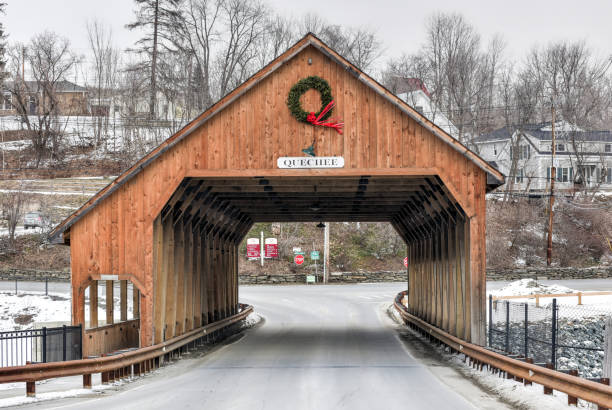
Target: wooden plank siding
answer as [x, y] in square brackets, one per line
[189, 271]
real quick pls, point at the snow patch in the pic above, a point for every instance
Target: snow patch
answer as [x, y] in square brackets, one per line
[530, 287]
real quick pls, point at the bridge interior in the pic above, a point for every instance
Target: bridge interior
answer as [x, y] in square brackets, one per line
[197, 234]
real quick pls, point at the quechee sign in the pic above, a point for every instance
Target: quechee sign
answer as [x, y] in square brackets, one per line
[314, 162]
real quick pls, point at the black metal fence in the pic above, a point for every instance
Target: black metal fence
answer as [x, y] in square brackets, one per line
[49, 344]
[568, 337]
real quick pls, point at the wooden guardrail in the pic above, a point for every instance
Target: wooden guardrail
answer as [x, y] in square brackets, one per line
[573, 386]
[537, 296]
[113, 366]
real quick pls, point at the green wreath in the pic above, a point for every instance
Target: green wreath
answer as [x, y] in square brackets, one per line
[305, 84]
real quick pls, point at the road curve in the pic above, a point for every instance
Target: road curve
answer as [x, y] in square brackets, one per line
[320, 347]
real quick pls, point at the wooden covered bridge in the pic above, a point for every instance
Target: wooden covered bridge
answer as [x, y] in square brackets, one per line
[172, 223]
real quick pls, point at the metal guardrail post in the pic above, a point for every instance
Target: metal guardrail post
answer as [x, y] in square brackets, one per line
[526, 326]
[44, 345]
[64, 342]
[490, 320]
[46, 286]
[80, 356]
[553, 356]
[507, 326]
[15, 286]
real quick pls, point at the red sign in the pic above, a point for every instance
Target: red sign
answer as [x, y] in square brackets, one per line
[299, 259]
[406, 261]
[271, 248]
[252, 248]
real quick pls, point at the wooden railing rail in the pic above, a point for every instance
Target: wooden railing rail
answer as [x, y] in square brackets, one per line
[573, 386]
[118, 365]
[538, 296]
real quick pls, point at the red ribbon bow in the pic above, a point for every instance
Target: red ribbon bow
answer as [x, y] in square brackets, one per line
[335, 124]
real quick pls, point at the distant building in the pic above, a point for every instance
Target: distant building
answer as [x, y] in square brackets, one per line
[72, 99]
[415, 94]
[583, 158]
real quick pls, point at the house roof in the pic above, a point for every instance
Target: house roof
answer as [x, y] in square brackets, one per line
[61, 86]
[494, 176]
[542, 131]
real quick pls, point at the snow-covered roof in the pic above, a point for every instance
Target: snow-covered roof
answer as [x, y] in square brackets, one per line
[543, 132]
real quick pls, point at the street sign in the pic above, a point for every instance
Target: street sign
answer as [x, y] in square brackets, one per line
[271, 248]
[314, 255]
[253, 248]
[297, 250]
[299, 259]
[406, 261]
[310, 279]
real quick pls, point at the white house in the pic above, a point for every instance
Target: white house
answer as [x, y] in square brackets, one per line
[583, 158]
[415, 94]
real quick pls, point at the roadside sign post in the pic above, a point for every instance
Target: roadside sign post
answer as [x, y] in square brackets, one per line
[314, 255]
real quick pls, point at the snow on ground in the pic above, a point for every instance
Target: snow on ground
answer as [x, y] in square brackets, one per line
[15, 145]
[530, 287]
[31, 309]
[511, 391]
[40, 397]
[591, 305]
[49, 192]
[21, 311]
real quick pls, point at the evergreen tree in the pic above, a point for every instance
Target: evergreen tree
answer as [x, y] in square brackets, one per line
[3, 36]
[156, 18]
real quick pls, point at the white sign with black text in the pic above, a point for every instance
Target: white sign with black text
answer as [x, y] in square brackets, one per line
[310, 162]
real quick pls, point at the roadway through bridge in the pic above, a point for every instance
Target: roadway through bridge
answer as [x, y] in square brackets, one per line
[319, 347]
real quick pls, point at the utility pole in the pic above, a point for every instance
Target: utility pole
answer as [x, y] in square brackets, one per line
[326, 253]
[551, 202]
[261, 249]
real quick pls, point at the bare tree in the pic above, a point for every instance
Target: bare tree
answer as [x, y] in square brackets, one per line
[359, 45]
[568, 76]
[50, 60]
[458, 71]
[13, 205]
[245, 23]
[105, 68]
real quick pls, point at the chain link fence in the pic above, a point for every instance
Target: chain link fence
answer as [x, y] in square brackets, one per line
[568, 337]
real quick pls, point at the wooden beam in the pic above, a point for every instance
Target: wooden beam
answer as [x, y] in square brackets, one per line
[110, 312]
[123, 300]
[93, 304]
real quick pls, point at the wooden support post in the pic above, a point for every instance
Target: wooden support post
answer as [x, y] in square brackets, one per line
[110, 303]
[160, 258]
[210, 274]
[188, 279]
[31, 389]
[197, 281]
[548, 390]
[123, 288]
[170, 316]
[179, 266]
[530, 361]
[571, 400]
[87, 381]
[93, 304]
[135, 302]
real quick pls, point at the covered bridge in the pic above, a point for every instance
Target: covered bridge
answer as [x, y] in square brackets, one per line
[172, 223]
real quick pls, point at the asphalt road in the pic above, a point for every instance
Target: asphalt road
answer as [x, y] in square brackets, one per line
[320, 347]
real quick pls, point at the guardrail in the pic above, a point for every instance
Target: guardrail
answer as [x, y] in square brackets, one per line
[119, 365]
[537, 297]
[573, 386]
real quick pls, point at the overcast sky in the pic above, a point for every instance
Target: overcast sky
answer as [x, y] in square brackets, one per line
[399, 24]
